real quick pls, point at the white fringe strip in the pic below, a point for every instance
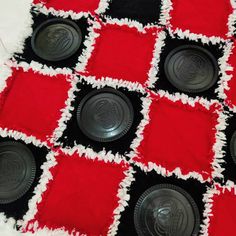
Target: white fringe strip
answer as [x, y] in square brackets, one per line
[8, 228]
[160, 43]
[114, 83]
[124, 197]
[166, 173]
[232, 20]
[128, 22]
[220, 137]
[59, 13]
[89, 43]
[165, 12]
[57, 232]
[195, 37]
[103, 155]
[208, 201]
[103, 6]
[185, 99]
[38, 191]
[6, 133]
[146, 103]
[225, 68]
[40, 68]
[66, 112]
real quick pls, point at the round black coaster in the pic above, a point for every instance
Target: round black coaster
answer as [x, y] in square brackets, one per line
[233, 147]
[191, 68]
[105, 115]
[56, 39]
[17, 171]
[166, 210]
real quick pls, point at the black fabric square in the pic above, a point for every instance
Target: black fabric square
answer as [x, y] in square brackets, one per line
[18, 208]
[230, 162]
[74, 134]
[174, 43]
[144, 181]
[144, 11]
[29, 55]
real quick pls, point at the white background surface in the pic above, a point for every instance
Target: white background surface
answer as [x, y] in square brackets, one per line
[15, 20]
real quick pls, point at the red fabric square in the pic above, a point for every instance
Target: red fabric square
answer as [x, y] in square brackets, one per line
[231, 95]
[209, 17]
[82, 195]
[223, 217]
[122, 53]
[71, 5]
[32, 102]
[179, 135]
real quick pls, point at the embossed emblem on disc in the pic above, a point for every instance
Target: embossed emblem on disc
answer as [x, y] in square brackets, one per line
[191, 68]
[17, 171]
[56, 39]
[166, 210]
[105, 115]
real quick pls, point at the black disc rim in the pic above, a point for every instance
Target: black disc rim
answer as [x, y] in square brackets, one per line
[23, 188]
[42, 26]
[93, 93]
[193, 204]
[202, 50]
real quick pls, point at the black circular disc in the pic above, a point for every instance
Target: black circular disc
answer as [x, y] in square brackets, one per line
[105, 115]
[233, 147]
[17, 171]
[166, 210]
[191, 68]
[56, 39]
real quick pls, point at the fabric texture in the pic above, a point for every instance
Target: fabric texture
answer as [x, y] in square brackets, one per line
[85, 187]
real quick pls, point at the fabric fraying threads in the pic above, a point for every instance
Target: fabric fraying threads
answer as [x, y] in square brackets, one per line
[123, 200]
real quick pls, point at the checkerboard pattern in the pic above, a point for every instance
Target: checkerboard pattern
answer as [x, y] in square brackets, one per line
[88, 188]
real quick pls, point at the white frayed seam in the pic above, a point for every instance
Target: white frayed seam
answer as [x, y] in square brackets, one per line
[38, 192]
[207, 213]
[40, 68]
[103, 6]
[195, 37]
[6, 133]
[185, 99]
[123, 197]
[225, 70]
[146, 103]
[59, 13]
[66, 111]
[128, 22]
[232, 20]
[165, 12]
[166, 173]
[114, 83]
[153, 72]
[89, 46]
[219, 144]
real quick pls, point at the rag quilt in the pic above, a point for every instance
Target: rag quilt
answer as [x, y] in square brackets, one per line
[175, 135]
